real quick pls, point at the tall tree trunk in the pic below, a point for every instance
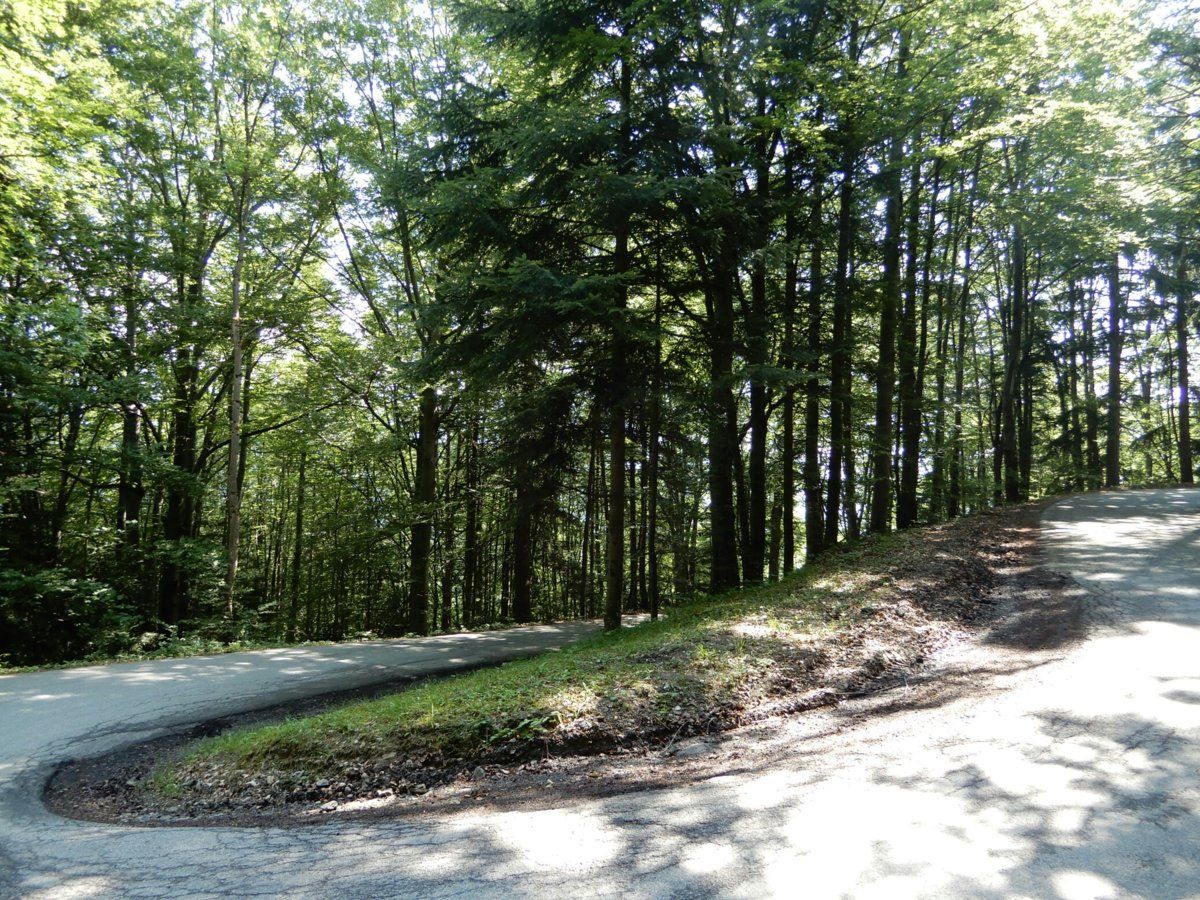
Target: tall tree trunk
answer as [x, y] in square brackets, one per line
[130, 489]
[1116, 339]
[909, 393]
[788, 362]
[615, 559]
[470, 589]
[757, 347]
[741, 495]
[1092, 410]
[954, 499]
[885, 378]
[840, 403]
[174, 601]
[297, 550]
[942, 330]
[814, 520]
[722, 427]
[634, 600]
[1013, 364]
[586, 562]
[522, 548]
[447, 535]
[1182, 325]
[1076, 436]
[233, 496]
[643, 522]
[653, 437]
[424, 501]
[776, 538]
[1025, 433]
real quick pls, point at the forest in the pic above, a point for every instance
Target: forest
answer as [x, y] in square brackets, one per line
[334, 319]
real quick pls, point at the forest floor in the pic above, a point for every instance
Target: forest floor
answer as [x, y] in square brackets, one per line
[644, 707]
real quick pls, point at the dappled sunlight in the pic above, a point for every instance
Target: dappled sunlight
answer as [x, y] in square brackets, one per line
[708, 857]
[854, 826]
[1077, 781]
[558, 839]
[1092, 795]
[39, 708]
[75, 889]
[1083, 886]
[766, 791]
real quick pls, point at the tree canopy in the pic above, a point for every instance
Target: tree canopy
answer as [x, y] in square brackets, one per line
[378, 317]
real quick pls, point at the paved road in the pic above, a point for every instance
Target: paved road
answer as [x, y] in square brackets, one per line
[47, 717]
[1078, 779]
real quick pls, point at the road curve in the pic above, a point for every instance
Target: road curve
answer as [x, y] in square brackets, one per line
[1077, 779]
[51, 716]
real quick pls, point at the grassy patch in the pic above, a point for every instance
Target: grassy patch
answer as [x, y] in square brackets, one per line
[705, 666]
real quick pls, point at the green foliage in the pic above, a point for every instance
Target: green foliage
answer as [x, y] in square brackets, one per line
[49, 615]
[462, 235]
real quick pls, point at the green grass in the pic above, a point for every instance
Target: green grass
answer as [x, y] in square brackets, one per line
[704, 659]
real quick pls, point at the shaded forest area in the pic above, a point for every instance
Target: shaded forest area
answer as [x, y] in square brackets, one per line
[354, 317]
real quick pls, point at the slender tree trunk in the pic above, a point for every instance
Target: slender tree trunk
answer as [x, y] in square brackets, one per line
[471, 536]
[941, 344]
[1116, 339]
[447, 535]
[722, 427]
[954, 501]
[644, 514]
[741, 495]
[757, 346]
[233, 496]
[885, 379]
[424, 500]
[634, 601]
[840, 450]
[297, 550]
[776, 538]
[174, 602]
[1092, 410]
[615, 560]
[788, 362]
[1025, 434]
[1076, 436]
[1182, 325]
[589, 517]
[909, 393]
[522, 550]
[814, 521]
[1013, 364]
[130, 489]
[653, 437]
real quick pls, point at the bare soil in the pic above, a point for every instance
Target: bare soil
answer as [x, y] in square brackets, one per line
[974, 604]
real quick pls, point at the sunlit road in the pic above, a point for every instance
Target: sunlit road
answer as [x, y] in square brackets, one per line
[47, 717]
[1080, 778]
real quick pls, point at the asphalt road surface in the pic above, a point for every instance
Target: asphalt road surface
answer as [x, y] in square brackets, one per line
[1080, 777]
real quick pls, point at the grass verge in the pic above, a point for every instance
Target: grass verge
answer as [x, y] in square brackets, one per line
[862, 613]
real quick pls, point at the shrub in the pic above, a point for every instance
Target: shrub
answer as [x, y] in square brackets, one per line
[49, 615]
